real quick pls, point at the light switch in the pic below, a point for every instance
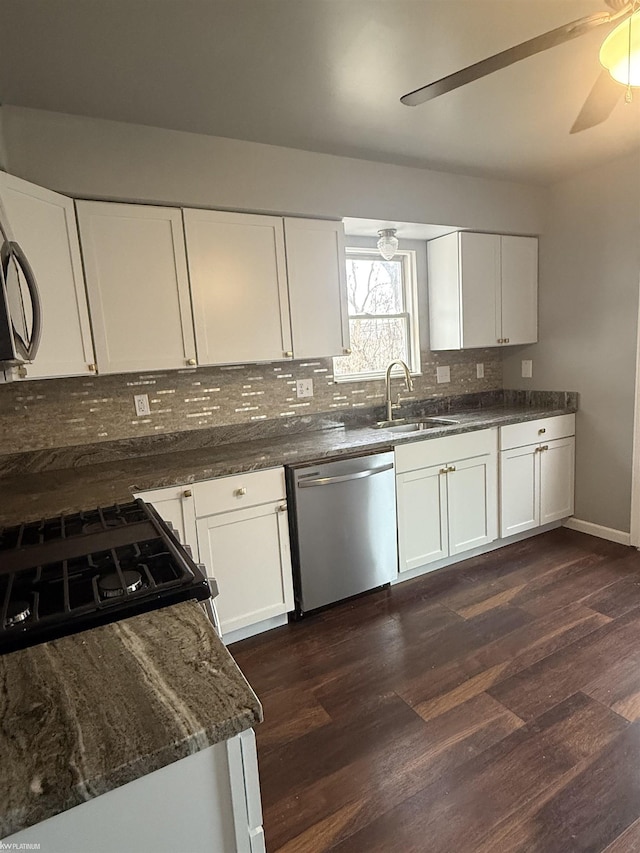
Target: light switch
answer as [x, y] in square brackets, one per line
[527, 368]
[443, 374]
[479, 371]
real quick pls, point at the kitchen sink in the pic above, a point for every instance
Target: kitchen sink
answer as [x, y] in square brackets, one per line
[401, 426]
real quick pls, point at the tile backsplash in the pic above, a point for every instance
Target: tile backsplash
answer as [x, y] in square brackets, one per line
[83, 410]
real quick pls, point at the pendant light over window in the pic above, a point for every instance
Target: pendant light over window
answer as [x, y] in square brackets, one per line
[387, 243]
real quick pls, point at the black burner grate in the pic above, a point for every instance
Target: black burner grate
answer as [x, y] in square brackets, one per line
[59, 575]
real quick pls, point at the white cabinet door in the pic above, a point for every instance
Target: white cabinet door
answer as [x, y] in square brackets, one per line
[422, 517]
[175, 504]
[316, 271]
[472, 503]
[519, 490]
[247, 551]
[239, 286]
[519, 288]
[480, 279]
[138, 286]
[557, 465]
[44, 224]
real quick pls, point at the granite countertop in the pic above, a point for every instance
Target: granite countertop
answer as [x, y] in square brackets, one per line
[35, 495]
[173, 689]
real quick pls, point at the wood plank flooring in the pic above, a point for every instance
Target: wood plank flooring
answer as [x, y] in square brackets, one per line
[487, 708]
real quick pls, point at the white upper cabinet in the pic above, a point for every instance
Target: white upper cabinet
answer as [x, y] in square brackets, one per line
[138, 286]
[316, 272]
[519, 282]
[483, 290]
[239, 286]
[44, 224]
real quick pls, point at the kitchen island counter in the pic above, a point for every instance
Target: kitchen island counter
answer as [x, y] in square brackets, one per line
[85, 714]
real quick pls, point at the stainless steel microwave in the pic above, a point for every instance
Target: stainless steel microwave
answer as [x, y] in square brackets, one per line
[20, 307]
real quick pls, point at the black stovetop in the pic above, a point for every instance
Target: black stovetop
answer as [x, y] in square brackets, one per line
[66, 574]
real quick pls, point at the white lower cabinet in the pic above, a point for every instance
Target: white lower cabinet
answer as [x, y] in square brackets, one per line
[208, 801]
[238, 528]
[243, 536]
[536, 480]
[175, 504]
[450, 507]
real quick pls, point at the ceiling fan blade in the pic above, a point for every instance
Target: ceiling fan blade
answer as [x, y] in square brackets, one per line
[600, 102]
[512, 55]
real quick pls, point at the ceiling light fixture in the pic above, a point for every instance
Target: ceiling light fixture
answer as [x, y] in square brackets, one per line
[387, 243]
[620, 51]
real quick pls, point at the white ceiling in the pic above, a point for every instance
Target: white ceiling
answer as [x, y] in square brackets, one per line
[405, 230]
[323, 75]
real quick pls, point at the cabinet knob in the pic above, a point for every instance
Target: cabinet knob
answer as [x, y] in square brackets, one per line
[451, 468]
[544, 447]
[288, 354]
[346, 351]
[282, 508]
[191, 362]
[542, 431]
[240, 492]
[500, 340]
[443, 470]
[92, 368]
[506, 340]
[187, 493]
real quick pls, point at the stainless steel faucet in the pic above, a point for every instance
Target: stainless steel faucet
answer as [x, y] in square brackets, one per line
[408, 384]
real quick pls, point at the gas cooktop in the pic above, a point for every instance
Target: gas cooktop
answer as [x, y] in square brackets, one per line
[62, 575]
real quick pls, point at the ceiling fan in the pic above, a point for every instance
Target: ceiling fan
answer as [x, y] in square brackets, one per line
[619, 54]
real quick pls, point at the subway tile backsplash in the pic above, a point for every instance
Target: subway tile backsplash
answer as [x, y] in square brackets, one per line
[83, 410]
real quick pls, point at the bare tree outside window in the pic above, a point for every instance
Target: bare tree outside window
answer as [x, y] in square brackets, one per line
[380, 314]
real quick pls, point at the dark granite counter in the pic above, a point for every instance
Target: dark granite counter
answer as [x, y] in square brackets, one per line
[34, 494]
[173, 689]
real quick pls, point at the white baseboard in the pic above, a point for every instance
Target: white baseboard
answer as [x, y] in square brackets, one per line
[251, 630]
[592, 529]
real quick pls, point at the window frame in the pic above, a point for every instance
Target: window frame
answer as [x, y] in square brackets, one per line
[409, 315]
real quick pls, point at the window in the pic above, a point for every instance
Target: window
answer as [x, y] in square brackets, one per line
[383, 321]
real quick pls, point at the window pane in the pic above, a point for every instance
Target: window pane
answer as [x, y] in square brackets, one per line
[374, 286]
[374, 343]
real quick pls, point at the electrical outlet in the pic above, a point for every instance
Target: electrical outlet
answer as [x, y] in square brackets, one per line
[443, 374]
[527, 368]
[304, 387]
[141, 402]
[480, 371]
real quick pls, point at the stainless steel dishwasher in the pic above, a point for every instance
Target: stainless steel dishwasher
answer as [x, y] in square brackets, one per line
[343, 528]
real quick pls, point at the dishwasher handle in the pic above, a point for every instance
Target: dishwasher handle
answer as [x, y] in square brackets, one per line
[344, 478]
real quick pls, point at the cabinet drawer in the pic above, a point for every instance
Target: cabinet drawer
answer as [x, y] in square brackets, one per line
[542, 429]
[239, 491]
[434, 451]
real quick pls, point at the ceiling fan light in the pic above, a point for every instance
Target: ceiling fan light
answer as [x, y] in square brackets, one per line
[614, 53]
[387, 243]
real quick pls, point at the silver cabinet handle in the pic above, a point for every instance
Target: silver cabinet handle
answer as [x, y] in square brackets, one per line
[288, 354]
[191, 362]
[541, 431]
[187, 493]
[282, 508]
[359, 475]
[240, 492]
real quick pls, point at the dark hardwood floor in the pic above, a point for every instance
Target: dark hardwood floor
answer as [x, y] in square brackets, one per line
[490, 707]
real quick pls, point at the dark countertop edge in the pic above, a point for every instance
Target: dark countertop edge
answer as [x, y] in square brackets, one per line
[238, 458]
[142, 766]
[370, 443]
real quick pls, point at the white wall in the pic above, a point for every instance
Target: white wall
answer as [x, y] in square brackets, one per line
[90, 157]
[589, 276]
